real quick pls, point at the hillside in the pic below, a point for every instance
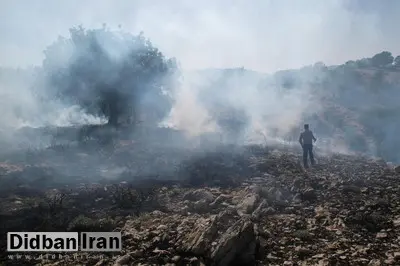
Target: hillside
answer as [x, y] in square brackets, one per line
[247, 206]
[352, 107]
[198, 201]
[82, 149]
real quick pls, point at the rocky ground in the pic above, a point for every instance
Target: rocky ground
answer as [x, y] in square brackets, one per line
[344, 211]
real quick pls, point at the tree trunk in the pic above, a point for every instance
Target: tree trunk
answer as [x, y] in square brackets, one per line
[113, 119]
[113, 115]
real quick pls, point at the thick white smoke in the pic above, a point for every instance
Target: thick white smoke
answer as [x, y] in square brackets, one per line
[262, 35]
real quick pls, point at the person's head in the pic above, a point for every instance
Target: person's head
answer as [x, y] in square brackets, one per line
[306, 127]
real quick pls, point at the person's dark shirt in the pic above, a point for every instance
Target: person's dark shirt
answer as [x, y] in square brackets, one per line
[306, 137]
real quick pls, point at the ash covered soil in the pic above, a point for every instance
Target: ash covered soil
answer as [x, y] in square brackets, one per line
[229, 206]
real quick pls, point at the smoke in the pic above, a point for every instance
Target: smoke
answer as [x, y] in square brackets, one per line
[237, 104]
[264, 35]
[221, 36]
[22, 106]
[188, 114]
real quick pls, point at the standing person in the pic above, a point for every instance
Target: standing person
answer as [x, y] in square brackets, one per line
[306, 141]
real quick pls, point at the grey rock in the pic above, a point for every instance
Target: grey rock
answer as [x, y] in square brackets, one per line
[122, 260]
[199, 194]
[261, 210]
[248, 204]
[236, 244]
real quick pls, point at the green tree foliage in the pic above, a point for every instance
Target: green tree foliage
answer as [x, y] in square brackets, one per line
[382, 59]
[397, 61]
[110, 73]
[363, 63]
[351, 63]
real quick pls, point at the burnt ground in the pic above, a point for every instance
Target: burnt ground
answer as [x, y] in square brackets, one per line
[227, 206]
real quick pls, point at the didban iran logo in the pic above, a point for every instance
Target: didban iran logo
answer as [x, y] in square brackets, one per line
[63, 241]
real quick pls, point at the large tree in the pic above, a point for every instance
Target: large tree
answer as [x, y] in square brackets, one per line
[110, 73]
[397, 61]
[382, 59]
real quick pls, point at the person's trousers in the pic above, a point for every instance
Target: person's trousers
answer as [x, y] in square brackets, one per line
[308, 151]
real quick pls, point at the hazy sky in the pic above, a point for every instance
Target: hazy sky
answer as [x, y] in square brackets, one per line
[264, 35]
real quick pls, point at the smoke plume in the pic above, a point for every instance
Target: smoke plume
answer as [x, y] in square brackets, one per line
[227, 53]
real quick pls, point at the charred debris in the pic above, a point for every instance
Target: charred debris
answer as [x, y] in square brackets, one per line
[221, 205]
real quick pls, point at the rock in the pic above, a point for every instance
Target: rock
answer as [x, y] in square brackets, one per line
[351, 189]
[381, 235]
[157, 213]
[235, 244]
[176, 259]
[309, 195]
[272, 257]
[136, 253]
[193, 259]
[261, 210]
[389, 261]
[303, 235]
[262, 247]
[346, 212]
[122, 260]
[254, 189]
[396, 255]
[249, 254]
[303, 252]
[248, 204]
[227, 216]
[162, 227]
[184, 210]
[200, 206]
[397, 169]
[297, 198]
[262, 191]
[199, 194]
[396, 222]
[201, 237]
[219, 200]
[101, 262]
[374, 262]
